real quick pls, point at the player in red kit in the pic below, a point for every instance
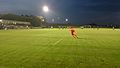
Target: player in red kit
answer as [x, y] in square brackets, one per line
[73, 32]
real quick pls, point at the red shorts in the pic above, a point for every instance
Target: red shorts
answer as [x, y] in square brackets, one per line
[72, 32]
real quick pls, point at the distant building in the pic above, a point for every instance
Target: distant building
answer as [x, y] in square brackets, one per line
[11, 24]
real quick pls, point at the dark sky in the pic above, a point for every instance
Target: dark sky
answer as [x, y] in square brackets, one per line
[77, 11]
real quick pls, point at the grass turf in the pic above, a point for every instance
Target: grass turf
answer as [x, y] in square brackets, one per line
[54, 48]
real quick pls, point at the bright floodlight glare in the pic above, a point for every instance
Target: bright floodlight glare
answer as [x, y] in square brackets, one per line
[0, 20]
[45, 9]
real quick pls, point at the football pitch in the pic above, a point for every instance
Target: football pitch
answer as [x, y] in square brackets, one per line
[55, 48]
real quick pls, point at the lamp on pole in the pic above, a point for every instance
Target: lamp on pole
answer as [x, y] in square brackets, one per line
[45, 9]
[66, 20]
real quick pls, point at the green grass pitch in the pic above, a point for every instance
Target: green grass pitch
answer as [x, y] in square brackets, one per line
[54, 48]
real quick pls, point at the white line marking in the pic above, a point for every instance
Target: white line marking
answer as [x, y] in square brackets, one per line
[57, 42]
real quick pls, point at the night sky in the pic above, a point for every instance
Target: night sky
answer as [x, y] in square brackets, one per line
[77, 11]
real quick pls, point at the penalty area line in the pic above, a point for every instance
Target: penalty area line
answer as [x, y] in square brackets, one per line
[57, 42]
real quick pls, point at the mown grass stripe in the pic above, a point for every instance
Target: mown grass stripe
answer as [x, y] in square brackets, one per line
[57, 42]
